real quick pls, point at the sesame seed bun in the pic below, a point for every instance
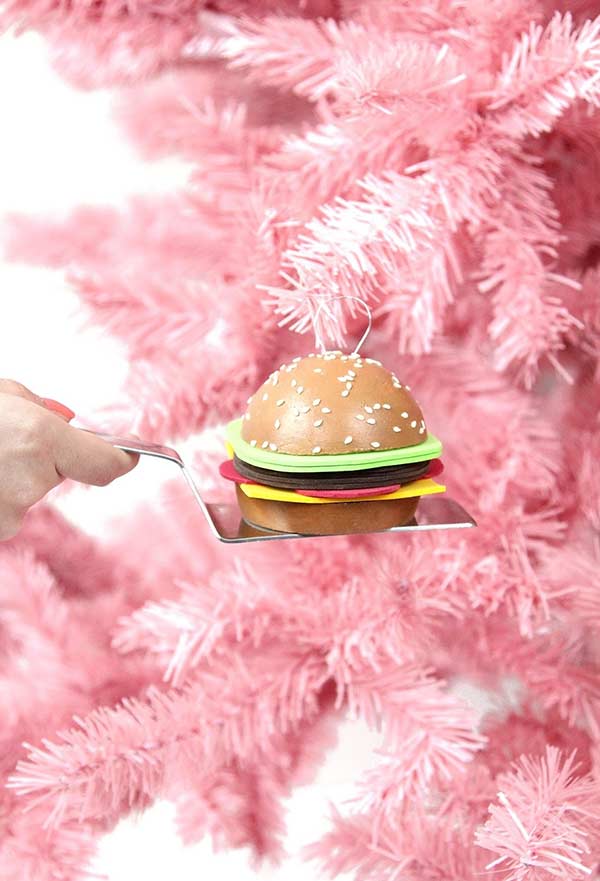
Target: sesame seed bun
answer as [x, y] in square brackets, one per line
[332, 404]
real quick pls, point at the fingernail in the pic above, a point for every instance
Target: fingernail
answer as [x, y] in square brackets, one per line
[59, 408]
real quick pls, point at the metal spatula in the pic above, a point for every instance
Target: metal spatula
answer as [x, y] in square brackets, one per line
[227, 525]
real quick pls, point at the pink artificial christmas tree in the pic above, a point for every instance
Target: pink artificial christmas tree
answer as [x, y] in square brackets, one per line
[440, 160]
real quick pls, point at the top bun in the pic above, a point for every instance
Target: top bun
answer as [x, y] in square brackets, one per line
[332, 403]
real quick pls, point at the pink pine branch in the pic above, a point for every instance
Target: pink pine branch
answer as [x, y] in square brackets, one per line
[577, 574]
[383, 74]
[436, 742]
[549, 69]
[180, 115]
[237, 807]
[417, 844]
[528, 328]
[31, 853]
[233, 607]
[358, 248]
[528, 732]
[521, 248]
[348, 848]
[544, 824]
[291, 53]
[414, 302]
[330, 159]
[183, 633]
[588, 479]
[348, 248]
[429, 734]
[110, 41]
[117, 759]
[553, 669]
[241, 804]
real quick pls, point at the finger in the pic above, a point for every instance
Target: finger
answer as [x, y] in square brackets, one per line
[80, 455]
[12, 387]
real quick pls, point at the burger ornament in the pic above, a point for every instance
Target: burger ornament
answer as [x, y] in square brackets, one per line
[331, 442]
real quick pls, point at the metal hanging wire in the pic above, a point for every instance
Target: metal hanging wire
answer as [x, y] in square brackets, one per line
[323, 305]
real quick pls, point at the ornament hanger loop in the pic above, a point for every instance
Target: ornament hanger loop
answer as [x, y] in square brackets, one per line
[324, 303]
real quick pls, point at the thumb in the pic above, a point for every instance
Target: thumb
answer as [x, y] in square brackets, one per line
[82, 456]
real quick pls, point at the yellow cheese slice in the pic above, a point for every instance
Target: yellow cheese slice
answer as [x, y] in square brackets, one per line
[425, 487]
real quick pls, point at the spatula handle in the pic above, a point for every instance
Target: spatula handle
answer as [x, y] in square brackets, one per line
[146, 448]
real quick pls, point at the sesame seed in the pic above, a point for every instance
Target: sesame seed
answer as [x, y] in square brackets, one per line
[348, 439]
[300, 389]
[404, 414]
[387, 406]
[397, 428]
[368, 409]
[265, 397]
[275, 379]
[349, 386]
[305, 409]
[316, 449]
[249, 399]
[421, 430]
[293, 383]
[316, 402]
[265, 444]
[273, 447]
[413, 424]
[277, 423]
[280, 402]
[360, 417]
[252, 443]
[317, 370]
[371, 421]
[354, 355]
[317, 423]
[295, 360]
[246, 416]
[345, 393]
[325, 410]
[407, 387]
[377, 406]
[295, 411]
[352, 373]
[375, 444]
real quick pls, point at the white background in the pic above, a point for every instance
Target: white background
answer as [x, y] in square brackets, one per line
[58, 149]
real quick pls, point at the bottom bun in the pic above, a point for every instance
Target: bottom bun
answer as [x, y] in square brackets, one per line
[335, 518]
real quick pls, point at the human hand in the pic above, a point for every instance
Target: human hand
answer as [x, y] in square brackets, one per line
[39, 449]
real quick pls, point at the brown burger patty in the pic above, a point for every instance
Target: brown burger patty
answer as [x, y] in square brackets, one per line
[369, 477]
[337, 518]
